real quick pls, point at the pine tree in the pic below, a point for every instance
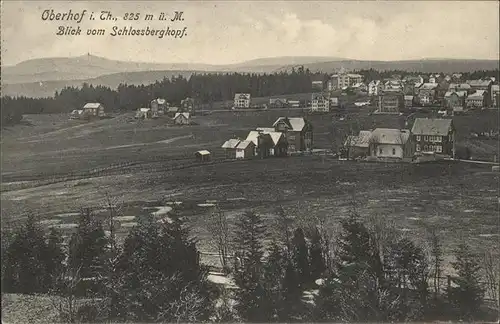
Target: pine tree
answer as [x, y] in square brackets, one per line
[317, 259]
[358, 249]
[159, 275]
[87, 253]
[467, 295]
[273, 271]
[355, 292]
[25, 270]
[250, 297]
[407, 274]
[282, 287]
[301, 256]
[54, 257]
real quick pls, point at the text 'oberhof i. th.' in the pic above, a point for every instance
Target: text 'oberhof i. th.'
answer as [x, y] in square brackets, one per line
[106, 15]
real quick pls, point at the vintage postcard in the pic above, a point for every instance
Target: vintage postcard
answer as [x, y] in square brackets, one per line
[250, 161]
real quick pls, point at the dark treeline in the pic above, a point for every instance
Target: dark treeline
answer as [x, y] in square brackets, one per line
[205, 88]
[364, 273]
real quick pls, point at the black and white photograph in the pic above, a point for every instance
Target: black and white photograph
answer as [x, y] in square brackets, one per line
[250, 161]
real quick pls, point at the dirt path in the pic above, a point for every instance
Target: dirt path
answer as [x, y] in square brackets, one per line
[166, 141]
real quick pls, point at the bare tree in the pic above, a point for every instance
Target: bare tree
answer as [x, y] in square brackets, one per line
[224, 310]
[66, 289]
[384, 232]
[436, 252]
[373, 142]
[347, 136]
[283, 230]
[113, 210]
[218, 227]
[186, 309]
[491, 268]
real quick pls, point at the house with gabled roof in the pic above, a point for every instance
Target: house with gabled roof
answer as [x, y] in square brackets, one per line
[427, 93]
[455, 100]
[434, 135]
[182, 118]
[358, 145]
[245, 149]
[95, 109]
[268, 143]
[478, 99]
[229, 147]
[320, 103]
[480, 84]
[298, 132]
[391, 143]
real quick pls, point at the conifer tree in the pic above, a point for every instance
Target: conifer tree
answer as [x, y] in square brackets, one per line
[354, 292]
[301, 256]
[54, 257]
[467, 295]
[250, 297]
[25, 270]
[282, 287]
[317, 260]
[87, 253]
[407, 273]
[358, 249]
[160, 278]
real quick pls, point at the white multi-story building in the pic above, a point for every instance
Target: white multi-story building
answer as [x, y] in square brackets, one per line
[242, 100]
[343, 80]
[320, 103]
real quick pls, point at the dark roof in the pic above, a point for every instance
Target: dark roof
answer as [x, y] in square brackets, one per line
[431, 126]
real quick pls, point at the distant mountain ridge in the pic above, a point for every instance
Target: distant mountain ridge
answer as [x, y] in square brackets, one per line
[42, 77]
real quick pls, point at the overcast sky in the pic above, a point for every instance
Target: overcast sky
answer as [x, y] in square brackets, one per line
[231, 32]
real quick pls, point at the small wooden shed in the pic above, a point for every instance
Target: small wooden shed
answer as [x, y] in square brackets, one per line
[203, 156]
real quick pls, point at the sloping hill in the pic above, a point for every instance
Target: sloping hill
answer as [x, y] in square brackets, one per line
[42, 77]
[81, 67]
[424, 66]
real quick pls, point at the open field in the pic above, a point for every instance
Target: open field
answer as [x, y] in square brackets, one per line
[461, 198]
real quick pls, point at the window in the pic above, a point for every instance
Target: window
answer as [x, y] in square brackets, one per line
[426, 138]
[418, 138]
[292, 147]
[439, 148]
[380, 151]
[393, 151]
[418, 147]
[439, 139]
[292, 137]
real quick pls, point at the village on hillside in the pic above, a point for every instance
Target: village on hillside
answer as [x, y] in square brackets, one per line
[430, 137]
[250, 162]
